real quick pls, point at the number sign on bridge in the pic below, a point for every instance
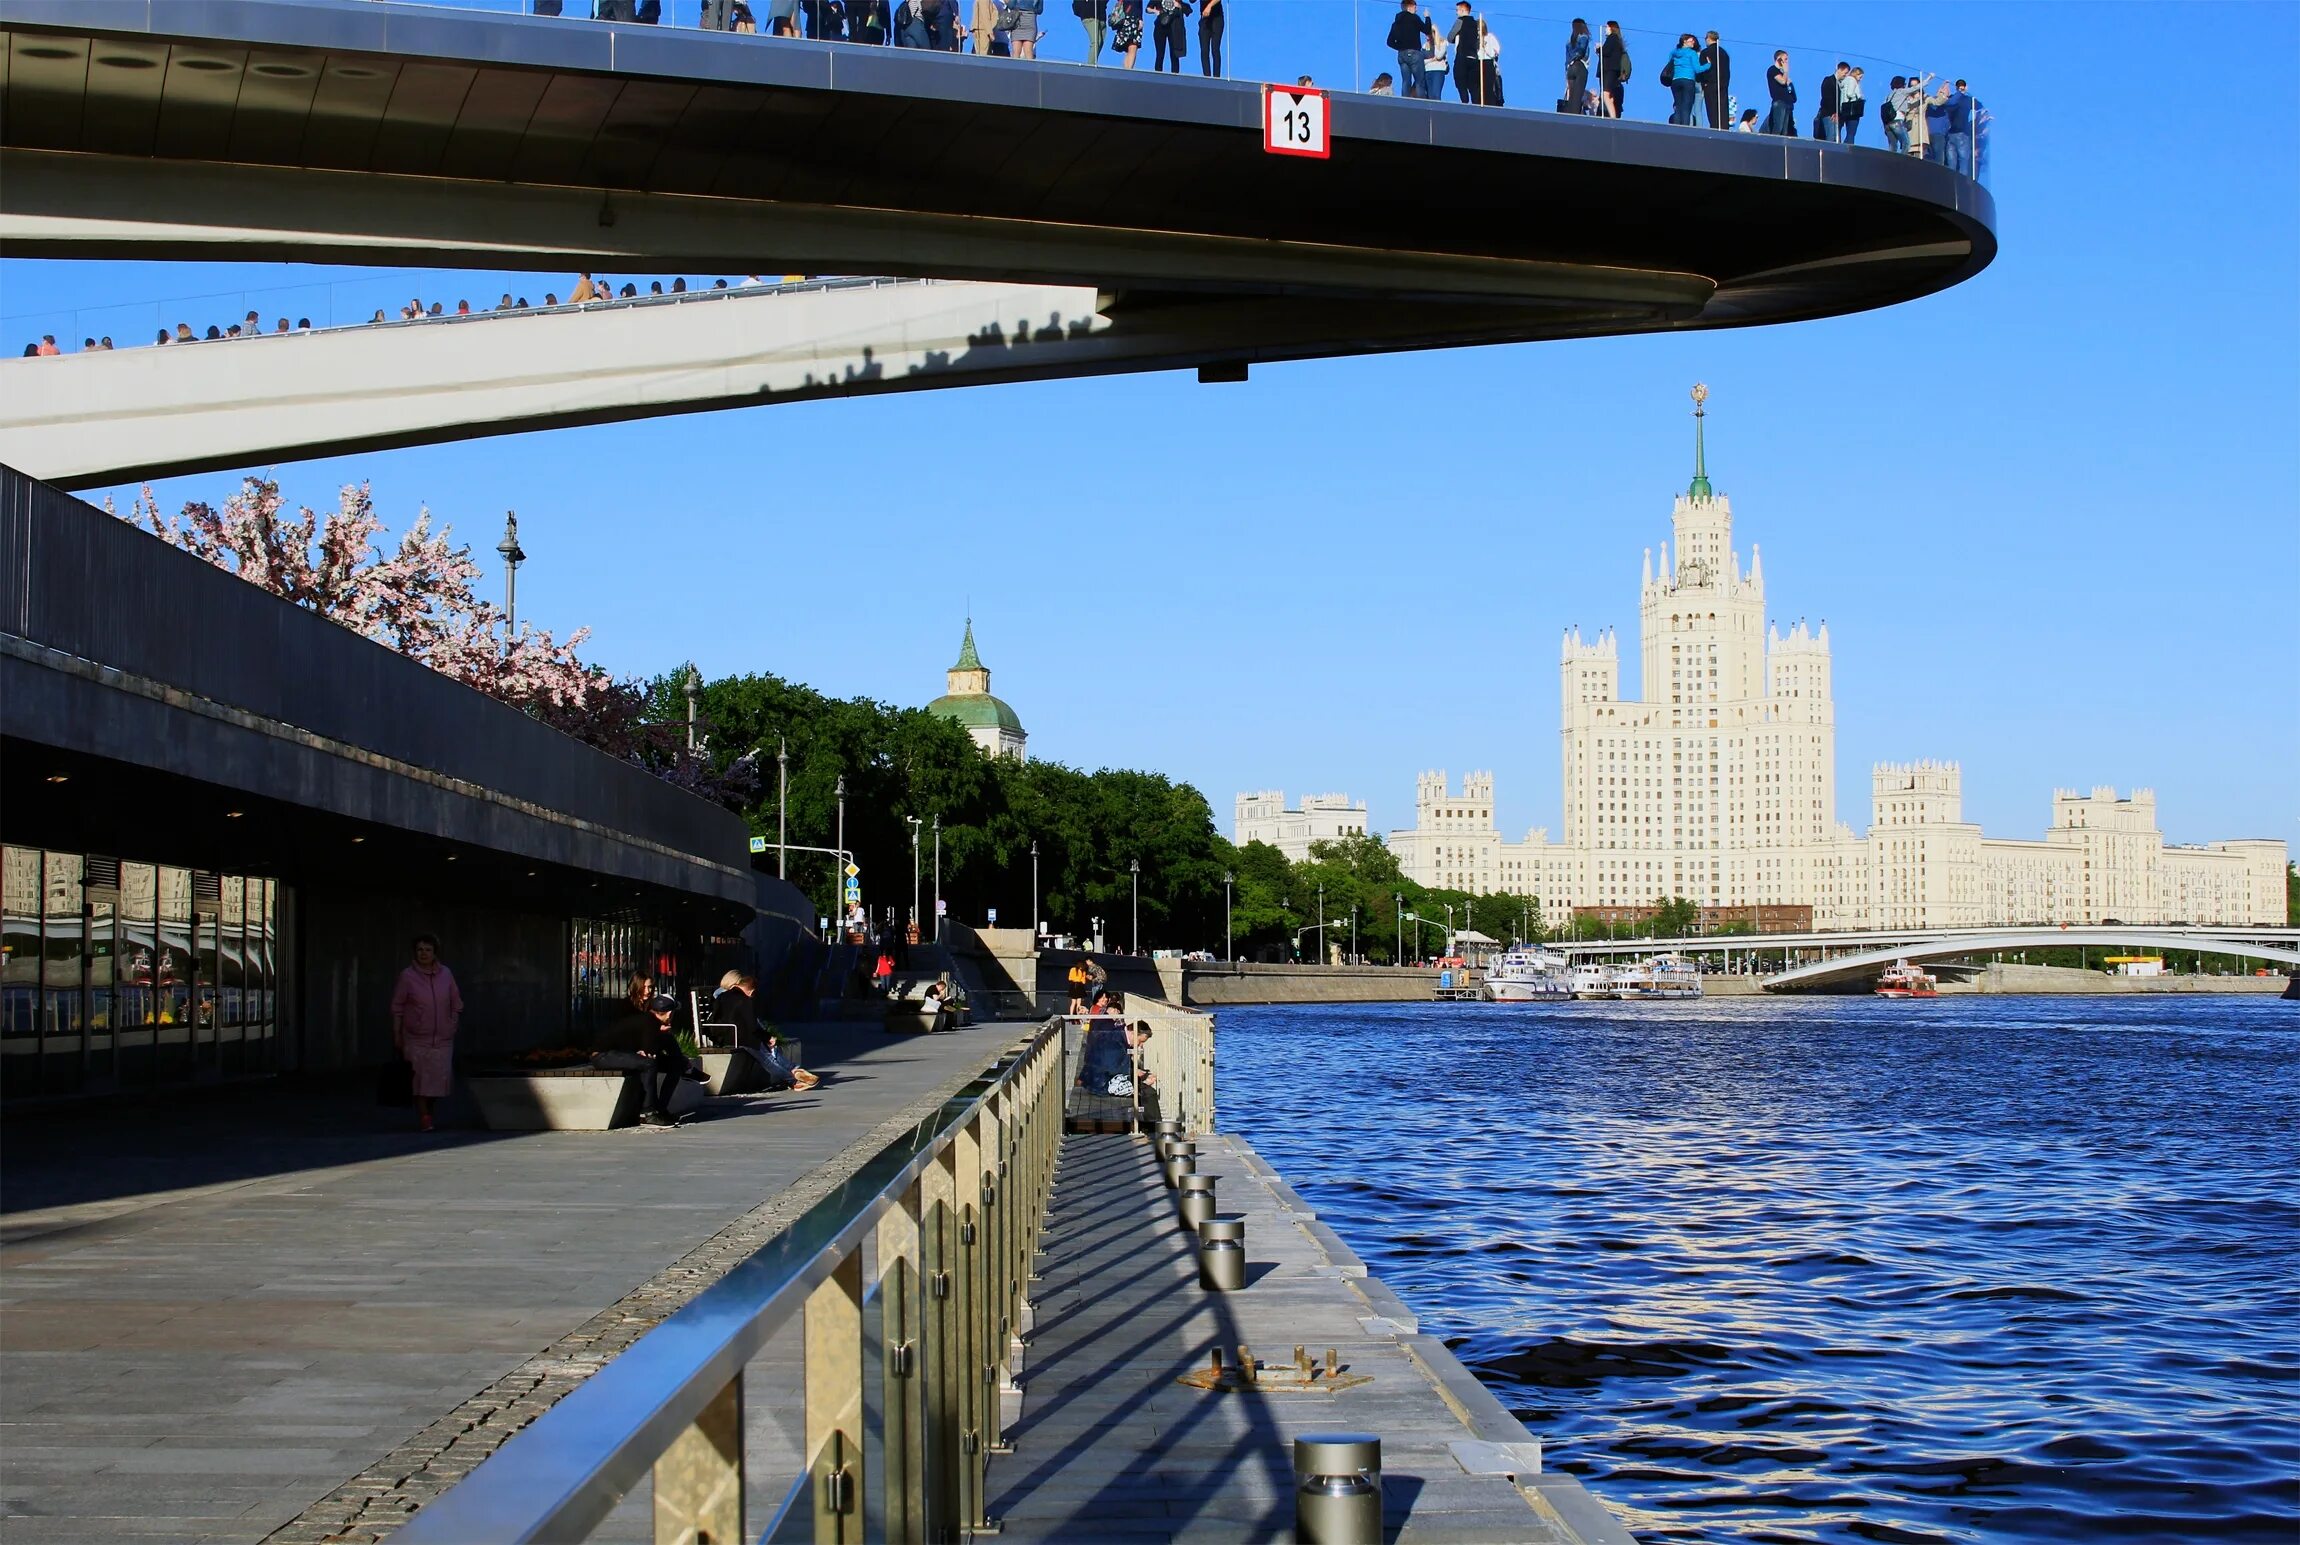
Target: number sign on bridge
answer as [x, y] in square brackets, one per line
[1295, 122]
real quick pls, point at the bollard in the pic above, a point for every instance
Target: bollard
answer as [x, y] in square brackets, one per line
[1222, 1255]
[1167, 1133]
[1338, 1488]
[1195, 1202]
[1181, 1159]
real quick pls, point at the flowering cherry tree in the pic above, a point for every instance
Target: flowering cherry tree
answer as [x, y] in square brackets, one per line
[420, 599]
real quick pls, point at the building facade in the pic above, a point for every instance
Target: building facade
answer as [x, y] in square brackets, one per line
[1717, 782]
[966, 701]
[1264, 817]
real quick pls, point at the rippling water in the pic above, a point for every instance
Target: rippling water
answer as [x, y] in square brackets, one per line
[2003, 1269]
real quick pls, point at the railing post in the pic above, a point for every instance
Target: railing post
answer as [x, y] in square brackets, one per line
[898, 1461]
[939, 1350]
[966, 1315]
[834, 1403]
[699, 1479]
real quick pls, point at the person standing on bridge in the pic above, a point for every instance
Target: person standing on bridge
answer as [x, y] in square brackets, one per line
[1089, 14]
[1612, 71]
[1577, 48]
[1173, 35]
[1683, 73]
[1463, 39]
[1717, 82]
[1409, 37]
[1782, 117]
[426, 1007]
[1212, 20]
[1126, 31]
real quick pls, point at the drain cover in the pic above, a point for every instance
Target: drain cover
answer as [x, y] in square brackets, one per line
[1250, 1376]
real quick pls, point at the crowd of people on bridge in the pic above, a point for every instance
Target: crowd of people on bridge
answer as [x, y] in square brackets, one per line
[585, 291]
[1943, 124]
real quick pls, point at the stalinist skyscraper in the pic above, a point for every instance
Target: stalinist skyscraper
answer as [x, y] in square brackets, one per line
[1718, 783]
[1718, 777]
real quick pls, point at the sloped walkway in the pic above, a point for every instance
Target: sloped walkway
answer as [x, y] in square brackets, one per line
[264, 1309]
[1110, 1447]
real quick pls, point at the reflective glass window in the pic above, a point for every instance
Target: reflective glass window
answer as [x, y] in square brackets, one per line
[19, 953]
[231, 951]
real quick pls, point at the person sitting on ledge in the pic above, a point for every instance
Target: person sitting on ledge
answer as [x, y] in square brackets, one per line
[1109, 1056]
[733, 1006]
[641, 1042]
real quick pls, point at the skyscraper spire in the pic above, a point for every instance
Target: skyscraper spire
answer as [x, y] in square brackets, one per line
[1700, 488]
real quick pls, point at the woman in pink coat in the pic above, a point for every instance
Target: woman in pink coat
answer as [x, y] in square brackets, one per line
[425, 1007]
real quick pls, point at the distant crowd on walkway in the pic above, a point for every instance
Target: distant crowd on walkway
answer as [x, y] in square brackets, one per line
[585, 291]
[1943, 125]
[1914, 119]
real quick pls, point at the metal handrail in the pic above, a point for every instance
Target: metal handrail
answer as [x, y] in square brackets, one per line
[954, 1207]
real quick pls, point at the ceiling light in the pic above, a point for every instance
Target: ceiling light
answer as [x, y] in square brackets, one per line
[59, 777]
[359, 839]
[233, 815]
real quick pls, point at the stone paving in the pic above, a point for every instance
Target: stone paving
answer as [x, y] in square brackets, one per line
[261, 1312]
[1111, 1447]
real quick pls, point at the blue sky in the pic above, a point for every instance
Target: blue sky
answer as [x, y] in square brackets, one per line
[2051, 517]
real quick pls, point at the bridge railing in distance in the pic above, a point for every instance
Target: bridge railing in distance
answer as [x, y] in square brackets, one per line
[907, 1282]
[1180, 1057]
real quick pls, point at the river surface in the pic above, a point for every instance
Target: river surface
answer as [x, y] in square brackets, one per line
[1834, 1269]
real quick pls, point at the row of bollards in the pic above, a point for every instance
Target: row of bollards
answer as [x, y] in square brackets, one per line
[1221, 1240]
[1337, 1475]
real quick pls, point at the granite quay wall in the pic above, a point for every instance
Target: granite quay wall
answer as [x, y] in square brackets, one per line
[2067, 979]
[1202, 984]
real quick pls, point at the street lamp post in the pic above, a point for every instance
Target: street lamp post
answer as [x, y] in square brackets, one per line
[694, 690]
[783, 809]
[1323, 951]
[1353, 931]
[1400, 898]
[1134, 868]
[1229, 938]
[513, 556]
[938, 878]
[1034, 893]
[838, 866]
[914, 826]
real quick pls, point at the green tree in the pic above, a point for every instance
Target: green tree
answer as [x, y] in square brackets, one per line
[1674, 917]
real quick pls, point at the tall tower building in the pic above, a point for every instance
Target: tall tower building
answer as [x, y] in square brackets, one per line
[1717, 782]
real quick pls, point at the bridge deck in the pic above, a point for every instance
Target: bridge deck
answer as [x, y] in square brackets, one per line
[1110, 1447]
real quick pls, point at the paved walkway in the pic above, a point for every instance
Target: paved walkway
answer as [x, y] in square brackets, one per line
[1110, 1447]
[217, 1310]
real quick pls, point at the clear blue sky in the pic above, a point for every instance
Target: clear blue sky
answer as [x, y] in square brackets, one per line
[2052, 517]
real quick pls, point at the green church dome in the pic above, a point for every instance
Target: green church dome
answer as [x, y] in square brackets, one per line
[977, 711]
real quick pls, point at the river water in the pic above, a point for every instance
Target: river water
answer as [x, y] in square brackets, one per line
[1834, 1269]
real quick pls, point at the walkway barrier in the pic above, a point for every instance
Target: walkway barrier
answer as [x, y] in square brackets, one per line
[908, 1284]
[1179, 1058]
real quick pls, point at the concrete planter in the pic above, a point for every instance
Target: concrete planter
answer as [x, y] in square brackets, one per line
[733, 1072]
[568, 1100]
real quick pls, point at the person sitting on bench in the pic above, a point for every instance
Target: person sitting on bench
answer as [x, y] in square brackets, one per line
[645, 1045]
[733, 1006]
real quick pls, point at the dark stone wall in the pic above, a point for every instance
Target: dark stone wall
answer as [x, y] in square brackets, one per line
[349, 950]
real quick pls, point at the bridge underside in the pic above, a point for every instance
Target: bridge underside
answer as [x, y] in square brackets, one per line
[373, 132]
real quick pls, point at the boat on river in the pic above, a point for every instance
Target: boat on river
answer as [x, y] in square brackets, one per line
[1902, 980]
[1528, 976]
[1593, 979]
[1660, 976]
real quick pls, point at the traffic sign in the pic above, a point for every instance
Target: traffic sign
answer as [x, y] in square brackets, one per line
[854, 891]
[1295, 122]
[852, 871]
[758, 844]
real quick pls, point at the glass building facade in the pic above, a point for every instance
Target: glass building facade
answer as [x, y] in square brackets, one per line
[120, 975]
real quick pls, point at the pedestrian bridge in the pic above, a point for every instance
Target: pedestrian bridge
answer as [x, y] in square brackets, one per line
[2269, 946]
[1823, 960]
[364, 131]
[105, 417]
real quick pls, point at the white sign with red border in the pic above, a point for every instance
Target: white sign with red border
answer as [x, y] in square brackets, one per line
[1295, 122]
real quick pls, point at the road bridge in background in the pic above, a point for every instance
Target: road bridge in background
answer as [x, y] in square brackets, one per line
[333, 131]
[2269, 946]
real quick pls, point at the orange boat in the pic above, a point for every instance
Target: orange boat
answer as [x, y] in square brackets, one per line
[1902, 980]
